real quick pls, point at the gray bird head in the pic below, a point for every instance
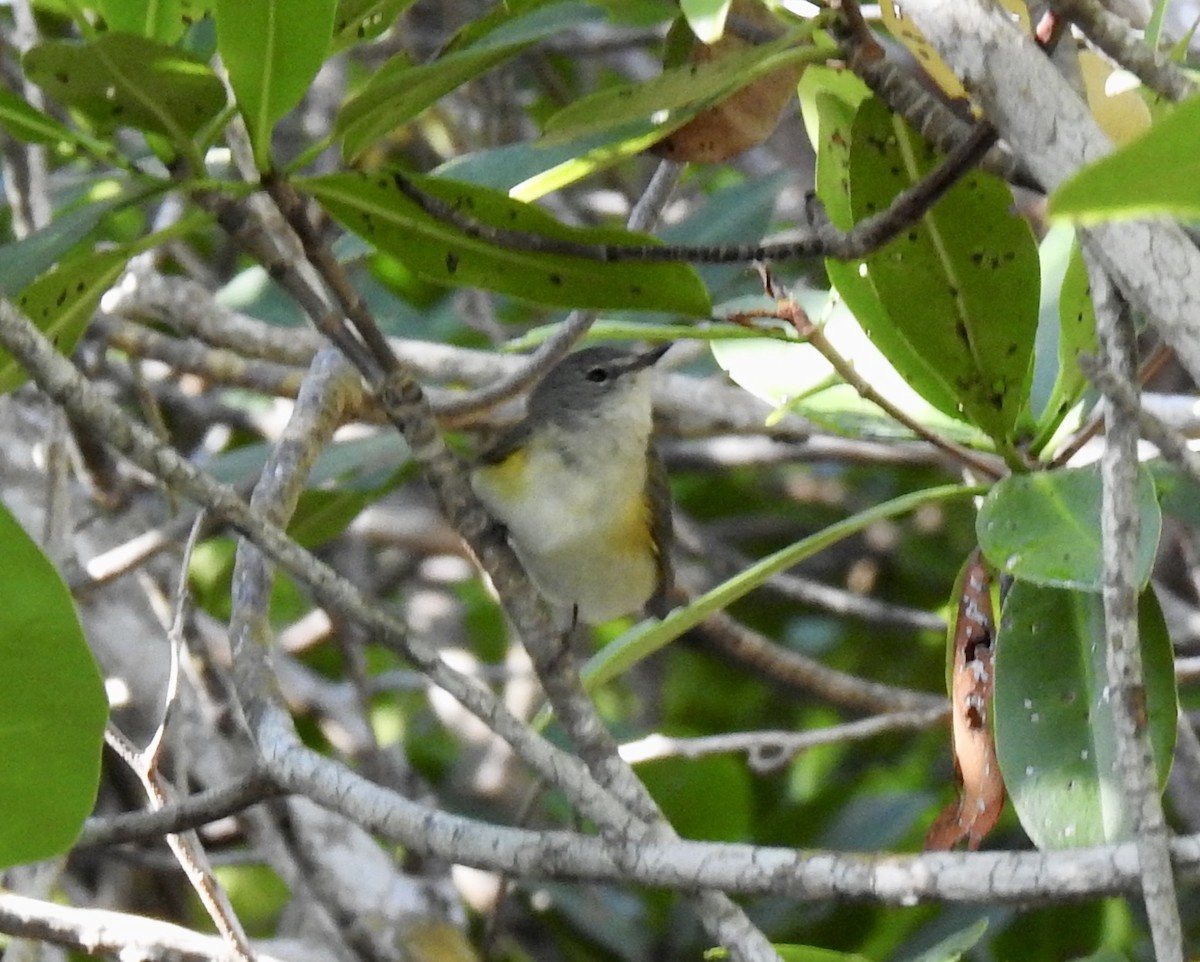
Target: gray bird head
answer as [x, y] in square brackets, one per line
[587, 382]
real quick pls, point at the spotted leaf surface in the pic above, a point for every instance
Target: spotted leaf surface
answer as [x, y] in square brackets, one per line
[376, 209]
[120, 80]
[960, 287]
[60, 304]
[1054, 713]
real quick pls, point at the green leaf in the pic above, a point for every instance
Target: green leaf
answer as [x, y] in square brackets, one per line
[322, 515]
[400, 91]
[1045, 527]
[54, 709]
[814, 953]
[163, 20]
[647, 637]
[272, 49]
[692, 86]
[1178, 491]
[1054, 721]
[374, 207]
[703, 798]
[831, 99]
[959, 289]
[1158, 173]
[61, 303]
[119, 80]
[359, 20]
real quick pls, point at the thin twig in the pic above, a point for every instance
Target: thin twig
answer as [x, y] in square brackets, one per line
[111, 934]
[144, 763]
[819, 239]
[895, 83]
[791, 669]
[1124, 45]
[178, 816]
[1122, 396]
[788, 310]
[768, 751]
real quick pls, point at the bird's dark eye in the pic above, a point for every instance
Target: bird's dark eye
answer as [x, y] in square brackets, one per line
[597, 375]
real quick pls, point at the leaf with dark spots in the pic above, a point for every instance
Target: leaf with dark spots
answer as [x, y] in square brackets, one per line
[419, 239]
[61, 303]
[956, 290]
[120, 79]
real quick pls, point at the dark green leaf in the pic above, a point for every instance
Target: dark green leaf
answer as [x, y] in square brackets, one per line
[1178, 491]
[375, 208]
[1054, 721]
[960, 288]
[322, 515]
[54, 709]
[1158, 173]
[272, 49]
[61, 302]
[400, 91]
[1045, 527]
[119, 80]
[704, 798]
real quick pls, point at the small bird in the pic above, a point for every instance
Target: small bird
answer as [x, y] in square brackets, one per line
[581, 488]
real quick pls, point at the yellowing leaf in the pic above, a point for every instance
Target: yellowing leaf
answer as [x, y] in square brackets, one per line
[1123, 115]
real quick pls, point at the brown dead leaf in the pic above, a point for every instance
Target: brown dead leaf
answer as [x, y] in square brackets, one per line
[745, 118]
[981, 797]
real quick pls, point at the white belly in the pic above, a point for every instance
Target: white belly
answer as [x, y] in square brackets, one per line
[583, 534]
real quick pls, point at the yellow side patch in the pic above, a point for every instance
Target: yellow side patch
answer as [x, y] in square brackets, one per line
[507, 477]
[631, 530]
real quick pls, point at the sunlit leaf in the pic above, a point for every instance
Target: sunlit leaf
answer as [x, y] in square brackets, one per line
[706, 18]
[272, 49]
[359, 20]
[120, 80]
[831, 99]
[163, 20]
[1158, 173]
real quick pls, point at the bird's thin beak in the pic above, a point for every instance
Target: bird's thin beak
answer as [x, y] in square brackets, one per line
[640, 361]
